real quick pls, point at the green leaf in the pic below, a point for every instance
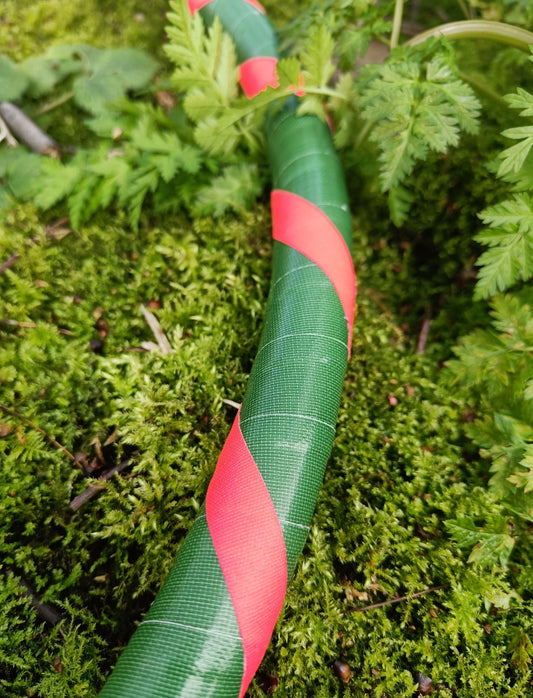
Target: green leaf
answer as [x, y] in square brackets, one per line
[524, 478]
[316, 57]
[522, 99]
[13, 80]
[45, 72]
[513, 158]
[399, 200]
[22, 171]
[522, 649]
[234, 190]
[510, 239]
[492, 544]
[414, 108]
[133, 67]
[141, 182]
[110, 74]
[82, 202]
[94, 94]
[206, 61]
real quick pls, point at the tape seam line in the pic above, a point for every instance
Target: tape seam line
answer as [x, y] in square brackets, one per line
[209, 631]
[284, 522]
[302, 225]
[302, 334]
[288, 414]
[293, 271]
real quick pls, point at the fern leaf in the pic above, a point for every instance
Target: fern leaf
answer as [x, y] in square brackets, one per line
[205, 60]
[524, 478]
[513, 158]
[510, 237]
[490, 545]
[115, 168]
[235, 189]
[521, 99]
[78, 200]
[166, 165]
[415, 108]
[56, 182]
[399, 201]
[141, 182]
[316, 57]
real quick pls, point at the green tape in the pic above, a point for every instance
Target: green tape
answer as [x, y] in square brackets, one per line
[250, 30]
[189, 645]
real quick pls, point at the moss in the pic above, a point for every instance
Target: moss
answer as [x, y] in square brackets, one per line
[72, 362]
[396, 473]
[27, 29]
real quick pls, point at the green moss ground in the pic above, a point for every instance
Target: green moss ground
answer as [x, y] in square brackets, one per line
[399, 469]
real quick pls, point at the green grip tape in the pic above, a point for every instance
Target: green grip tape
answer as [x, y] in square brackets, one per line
[189, 645]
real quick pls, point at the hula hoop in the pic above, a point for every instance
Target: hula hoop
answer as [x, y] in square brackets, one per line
[210, 625]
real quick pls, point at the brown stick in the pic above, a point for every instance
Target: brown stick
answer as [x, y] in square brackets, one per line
[8, 263]
[398, 600]
[44, 610]
[32, 326]
[28, 131]
[423, 336]
[34, 426]
[153, 324]
[92, 490]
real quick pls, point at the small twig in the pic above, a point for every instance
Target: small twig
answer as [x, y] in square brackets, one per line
[28, 131]
[9, 262]
[32, 326]
[423, 336]
[232, 403]
[400, 599]
[16, 414]
[55, 103]
[44, 610]
[153, 323]
[6, 135]
[93, 489]
[396, 23]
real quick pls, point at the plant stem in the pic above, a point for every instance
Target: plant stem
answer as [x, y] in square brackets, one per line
[396, 24]
[482, 86]
[27, 130]
[464, 9]
[31, 326]
[363, 133]
[43, 609]
[478, 29]
[55, 103]
[93, 489]
[16, 414]
[399, 599]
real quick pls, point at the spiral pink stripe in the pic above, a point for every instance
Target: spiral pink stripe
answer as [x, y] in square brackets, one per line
[256, 74]
[195, 5]
[300, 224]
[250, 547]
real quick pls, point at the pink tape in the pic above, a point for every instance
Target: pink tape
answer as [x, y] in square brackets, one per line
[195, 5]
[256, 74]
[250, 547]
[300, 224]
